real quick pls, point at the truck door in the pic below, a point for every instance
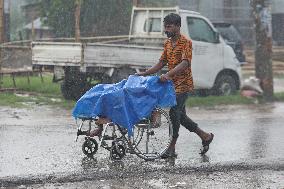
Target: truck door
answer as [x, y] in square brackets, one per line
[207, 53]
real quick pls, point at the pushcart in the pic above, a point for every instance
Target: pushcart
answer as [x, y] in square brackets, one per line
[150, 138]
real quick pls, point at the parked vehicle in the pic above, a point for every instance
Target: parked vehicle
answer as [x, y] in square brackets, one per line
[232, 37]
[214, 64]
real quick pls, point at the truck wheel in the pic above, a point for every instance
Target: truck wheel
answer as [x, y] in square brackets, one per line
[73, 90]
[65, 90]
[74, 85]
[105, 79]
[225, 85]
[121, 73]
[202, 92]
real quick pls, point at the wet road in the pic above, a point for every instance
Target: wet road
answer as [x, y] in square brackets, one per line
[37, 147]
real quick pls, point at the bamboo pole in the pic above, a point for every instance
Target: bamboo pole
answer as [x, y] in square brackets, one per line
[33, 29]
[77, 20]
[136, 3]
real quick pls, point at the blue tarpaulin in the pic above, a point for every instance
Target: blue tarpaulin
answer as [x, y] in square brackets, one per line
[127, 102]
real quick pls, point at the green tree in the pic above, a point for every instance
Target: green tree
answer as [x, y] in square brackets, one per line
[59, 16]
[158, 3]
[112, 17]
[98, 17]
[16, 22]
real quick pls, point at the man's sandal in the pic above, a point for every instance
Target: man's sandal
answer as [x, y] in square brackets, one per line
[205, 144]
[169, 154]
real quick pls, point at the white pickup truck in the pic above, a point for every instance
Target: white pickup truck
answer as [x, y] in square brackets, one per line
[214, 63]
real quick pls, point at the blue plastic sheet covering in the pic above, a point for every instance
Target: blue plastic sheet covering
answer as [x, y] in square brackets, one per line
[127, 102]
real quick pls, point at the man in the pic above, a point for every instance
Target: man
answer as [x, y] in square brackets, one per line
[177, 56]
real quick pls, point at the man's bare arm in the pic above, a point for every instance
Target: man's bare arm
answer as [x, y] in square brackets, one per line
[177, 70]
[154, 69]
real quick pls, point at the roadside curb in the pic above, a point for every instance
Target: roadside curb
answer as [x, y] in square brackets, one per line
[144, 171]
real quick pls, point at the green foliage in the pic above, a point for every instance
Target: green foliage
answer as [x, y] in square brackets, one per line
[16, 22]
[279, 96]
[110, 17]
[60, 16]
[158, 3]
[18, 100]
[39, 92]
[49, 93]
[46, 87]
[218, 100]
[98, 17]
[8, 99]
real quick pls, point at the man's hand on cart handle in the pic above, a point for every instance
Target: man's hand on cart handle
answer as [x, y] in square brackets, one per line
[140, 74]
[165, 77]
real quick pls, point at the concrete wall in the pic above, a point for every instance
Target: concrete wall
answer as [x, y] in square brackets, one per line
[277, 6]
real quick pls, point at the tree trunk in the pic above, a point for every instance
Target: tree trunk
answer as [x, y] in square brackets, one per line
[2, 21]
[1, 34]
[77, 20]
[136, 3]
[263, 50]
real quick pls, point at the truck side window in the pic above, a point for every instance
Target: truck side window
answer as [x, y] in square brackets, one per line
[199, 30]
[154, 25]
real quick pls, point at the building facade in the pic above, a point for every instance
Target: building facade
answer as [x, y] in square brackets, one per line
[278, 21]
[236, 12]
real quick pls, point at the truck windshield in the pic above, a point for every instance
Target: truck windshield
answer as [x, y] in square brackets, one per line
[230, 33]
[154, 25]
[199, 30]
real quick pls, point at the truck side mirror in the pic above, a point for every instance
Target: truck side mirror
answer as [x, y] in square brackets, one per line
[217, 37]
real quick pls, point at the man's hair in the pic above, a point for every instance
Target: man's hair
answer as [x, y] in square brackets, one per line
[172, 18]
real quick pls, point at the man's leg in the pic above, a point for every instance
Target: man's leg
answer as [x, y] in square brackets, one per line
[175, 116]
[193, 127]
[100, 123]
[175, 120]
[98, 131]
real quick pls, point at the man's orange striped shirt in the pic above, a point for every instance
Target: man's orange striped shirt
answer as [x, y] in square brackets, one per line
[173, 56]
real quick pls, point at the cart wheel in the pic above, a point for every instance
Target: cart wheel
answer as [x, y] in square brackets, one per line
[117, 152]
[152, 136]
[90, 147]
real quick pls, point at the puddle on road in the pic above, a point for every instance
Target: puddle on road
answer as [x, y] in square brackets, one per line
[40, 140]
[33, 98]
